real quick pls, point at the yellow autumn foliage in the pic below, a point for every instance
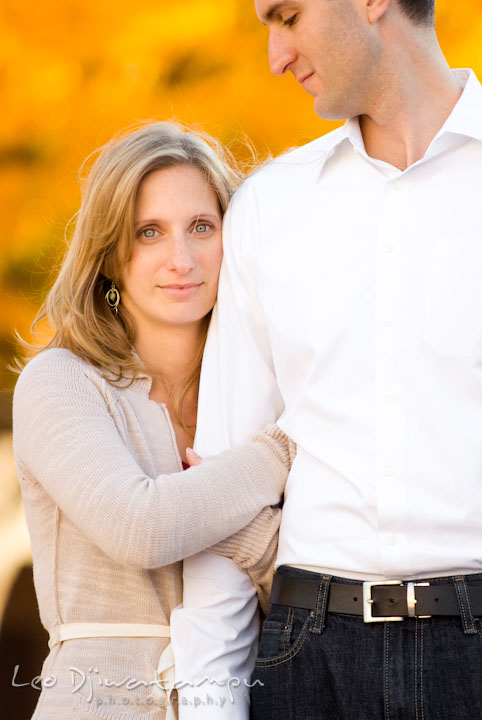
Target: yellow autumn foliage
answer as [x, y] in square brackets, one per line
[73, 72]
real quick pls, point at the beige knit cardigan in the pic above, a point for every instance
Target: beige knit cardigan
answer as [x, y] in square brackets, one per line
[111, 514]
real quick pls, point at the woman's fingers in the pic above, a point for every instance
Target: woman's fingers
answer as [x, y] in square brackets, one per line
[192, 457]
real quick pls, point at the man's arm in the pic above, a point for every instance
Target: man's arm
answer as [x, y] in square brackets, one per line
[214, 634]
[239, 391]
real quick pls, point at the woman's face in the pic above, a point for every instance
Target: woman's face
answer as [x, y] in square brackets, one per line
[172, 276]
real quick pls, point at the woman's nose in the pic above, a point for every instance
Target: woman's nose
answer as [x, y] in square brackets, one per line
[180, 258]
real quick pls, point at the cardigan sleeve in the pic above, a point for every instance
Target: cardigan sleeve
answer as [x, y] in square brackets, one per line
[66, 440]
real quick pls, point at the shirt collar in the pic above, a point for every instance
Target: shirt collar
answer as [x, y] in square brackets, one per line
[465, 118]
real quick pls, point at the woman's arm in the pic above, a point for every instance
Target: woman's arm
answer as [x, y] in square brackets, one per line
[65, 438]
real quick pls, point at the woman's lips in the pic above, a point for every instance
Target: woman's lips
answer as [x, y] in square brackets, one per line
[180, 290]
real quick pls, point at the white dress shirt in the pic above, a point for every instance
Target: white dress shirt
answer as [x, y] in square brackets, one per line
[350, 309]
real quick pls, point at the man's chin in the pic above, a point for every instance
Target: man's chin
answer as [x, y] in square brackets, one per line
[327, 111]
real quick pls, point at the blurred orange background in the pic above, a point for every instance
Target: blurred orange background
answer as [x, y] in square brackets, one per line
[74, 72]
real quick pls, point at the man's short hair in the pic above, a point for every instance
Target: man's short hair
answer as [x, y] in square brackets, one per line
[421, 12]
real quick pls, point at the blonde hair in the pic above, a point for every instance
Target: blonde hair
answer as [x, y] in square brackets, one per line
[101, 245]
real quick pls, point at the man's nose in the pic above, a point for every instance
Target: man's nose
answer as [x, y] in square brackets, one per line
[280, 53]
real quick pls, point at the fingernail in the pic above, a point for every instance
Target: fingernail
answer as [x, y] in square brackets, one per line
[192, 453]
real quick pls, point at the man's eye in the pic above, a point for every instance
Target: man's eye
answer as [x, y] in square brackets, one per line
[289, 22]
[202, 228]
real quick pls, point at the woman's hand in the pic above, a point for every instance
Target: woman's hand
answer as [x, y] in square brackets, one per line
[192, 457]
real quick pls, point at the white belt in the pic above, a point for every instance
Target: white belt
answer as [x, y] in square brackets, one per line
[74, 631]
[165, 670]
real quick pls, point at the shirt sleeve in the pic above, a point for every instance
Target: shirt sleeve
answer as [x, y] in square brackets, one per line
[254, 548]
[214, 634]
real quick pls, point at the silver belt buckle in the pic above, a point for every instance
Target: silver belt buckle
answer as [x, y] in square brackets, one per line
[368, 600]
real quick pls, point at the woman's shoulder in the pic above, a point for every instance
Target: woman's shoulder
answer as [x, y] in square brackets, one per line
[58, 366]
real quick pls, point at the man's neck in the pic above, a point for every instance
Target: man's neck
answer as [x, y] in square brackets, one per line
[413, 101]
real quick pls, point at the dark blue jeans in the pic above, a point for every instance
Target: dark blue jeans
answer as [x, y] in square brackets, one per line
[314, 665]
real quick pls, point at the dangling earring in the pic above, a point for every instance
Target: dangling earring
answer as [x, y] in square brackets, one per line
[112, 297]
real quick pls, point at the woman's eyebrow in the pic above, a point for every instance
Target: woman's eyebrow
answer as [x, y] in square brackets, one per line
[145, 221]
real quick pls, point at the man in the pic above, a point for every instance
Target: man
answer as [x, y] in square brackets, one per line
[350, 309]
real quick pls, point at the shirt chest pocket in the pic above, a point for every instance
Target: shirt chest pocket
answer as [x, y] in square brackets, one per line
[453, 309]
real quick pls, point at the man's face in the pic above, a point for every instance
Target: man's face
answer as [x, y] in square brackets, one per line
[329, 46]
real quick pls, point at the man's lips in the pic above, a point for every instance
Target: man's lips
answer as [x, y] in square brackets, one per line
[302, 79]
[180, 290]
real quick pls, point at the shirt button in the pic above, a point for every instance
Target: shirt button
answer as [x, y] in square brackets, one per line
[397, 185]
[388, 323]
[392, 540]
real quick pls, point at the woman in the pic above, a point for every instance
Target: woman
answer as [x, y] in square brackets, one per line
[105, 411]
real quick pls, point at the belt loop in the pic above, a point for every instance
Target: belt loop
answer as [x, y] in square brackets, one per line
[464, 605]
[321, 605]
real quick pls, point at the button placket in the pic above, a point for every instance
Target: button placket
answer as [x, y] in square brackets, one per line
[389, 420]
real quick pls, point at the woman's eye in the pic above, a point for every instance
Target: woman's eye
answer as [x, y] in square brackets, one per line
[149, 233]
[202, 228]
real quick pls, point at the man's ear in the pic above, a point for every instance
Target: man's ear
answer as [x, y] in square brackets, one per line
[376, 9]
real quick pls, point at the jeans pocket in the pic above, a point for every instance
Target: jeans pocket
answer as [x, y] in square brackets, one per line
[283, 635]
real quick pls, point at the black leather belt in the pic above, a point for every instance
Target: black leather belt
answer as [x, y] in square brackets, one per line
[377, 601]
